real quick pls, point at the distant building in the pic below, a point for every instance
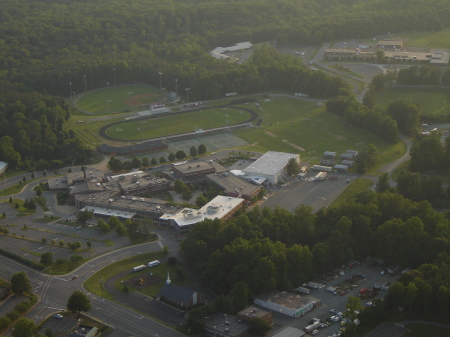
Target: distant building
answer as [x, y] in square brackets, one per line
[237, 47]
[285, 303]
[390, 45]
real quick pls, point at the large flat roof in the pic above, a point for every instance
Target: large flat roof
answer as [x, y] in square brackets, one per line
[288, 300]
[232, 184]
[226, 324]
[109, 212]
[270, 163]
[219, 207]
[193, 167]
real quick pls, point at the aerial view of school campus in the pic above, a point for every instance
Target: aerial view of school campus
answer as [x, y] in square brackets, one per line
[225, 169]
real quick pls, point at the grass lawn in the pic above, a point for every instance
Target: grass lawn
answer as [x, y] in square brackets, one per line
[93, 283]
[116, 99]
[160, 272]
[291, 125]
[163, 126]
[432, 101]
[355, 187]
[439, 39]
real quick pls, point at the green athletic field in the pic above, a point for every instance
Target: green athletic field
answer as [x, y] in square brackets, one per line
[169, 125]
[431, 101]
[118, 99]
[439, 39]
[292, 125]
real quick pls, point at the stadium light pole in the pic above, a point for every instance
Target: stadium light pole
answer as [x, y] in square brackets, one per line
[164, 96]
[70, 84]
[176, 87]
[160, 74]
[187, 93]
[84, 82]
[114, 70]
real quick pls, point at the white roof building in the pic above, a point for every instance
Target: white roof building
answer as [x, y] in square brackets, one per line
[221, 207]
[236, 47]
[270, 166]
[3, 166]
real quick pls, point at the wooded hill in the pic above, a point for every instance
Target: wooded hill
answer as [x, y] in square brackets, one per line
[45, 45]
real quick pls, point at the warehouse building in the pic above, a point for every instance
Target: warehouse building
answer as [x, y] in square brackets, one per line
[288, 304]
[270, 167]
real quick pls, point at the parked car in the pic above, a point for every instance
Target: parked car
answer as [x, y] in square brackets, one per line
[58, 316]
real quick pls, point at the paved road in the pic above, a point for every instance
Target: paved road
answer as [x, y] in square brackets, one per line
[55, 290]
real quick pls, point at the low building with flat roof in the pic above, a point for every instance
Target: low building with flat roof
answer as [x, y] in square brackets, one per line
[57, 184]
[271, 166]
[112, 200]
[221, 207]
[143, 185]
[234, 186]
[3, 167]
[390, 44]
[89, 174]
[193, 170]
[253, 311]
[288, 304]
[225, 325]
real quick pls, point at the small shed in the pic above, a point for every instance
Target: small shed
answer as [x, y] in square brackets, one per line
[346, 156]
[354, 153]
[328, 154]
[347, 162]
[341, 168]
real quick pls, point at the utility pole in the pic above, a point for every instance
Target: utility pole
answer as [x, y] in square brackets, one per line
[160, 74]
[176, 87]
[84, 82]
[187, 93]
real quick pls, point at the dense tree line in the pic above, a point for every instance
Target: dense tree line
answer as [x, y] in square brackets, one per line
[31, 129]
[48, 45]
[422, 75]
[268, 249]
[358, 114]
[428, 153]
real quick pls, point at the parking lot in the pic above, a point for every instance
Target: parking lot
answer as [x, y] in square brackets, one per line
[28, 242]
[334, 302]
[316, 194]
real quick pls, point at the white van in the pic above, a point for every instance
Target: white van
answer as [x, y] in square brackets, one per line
[142, 266]
[153, 263]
